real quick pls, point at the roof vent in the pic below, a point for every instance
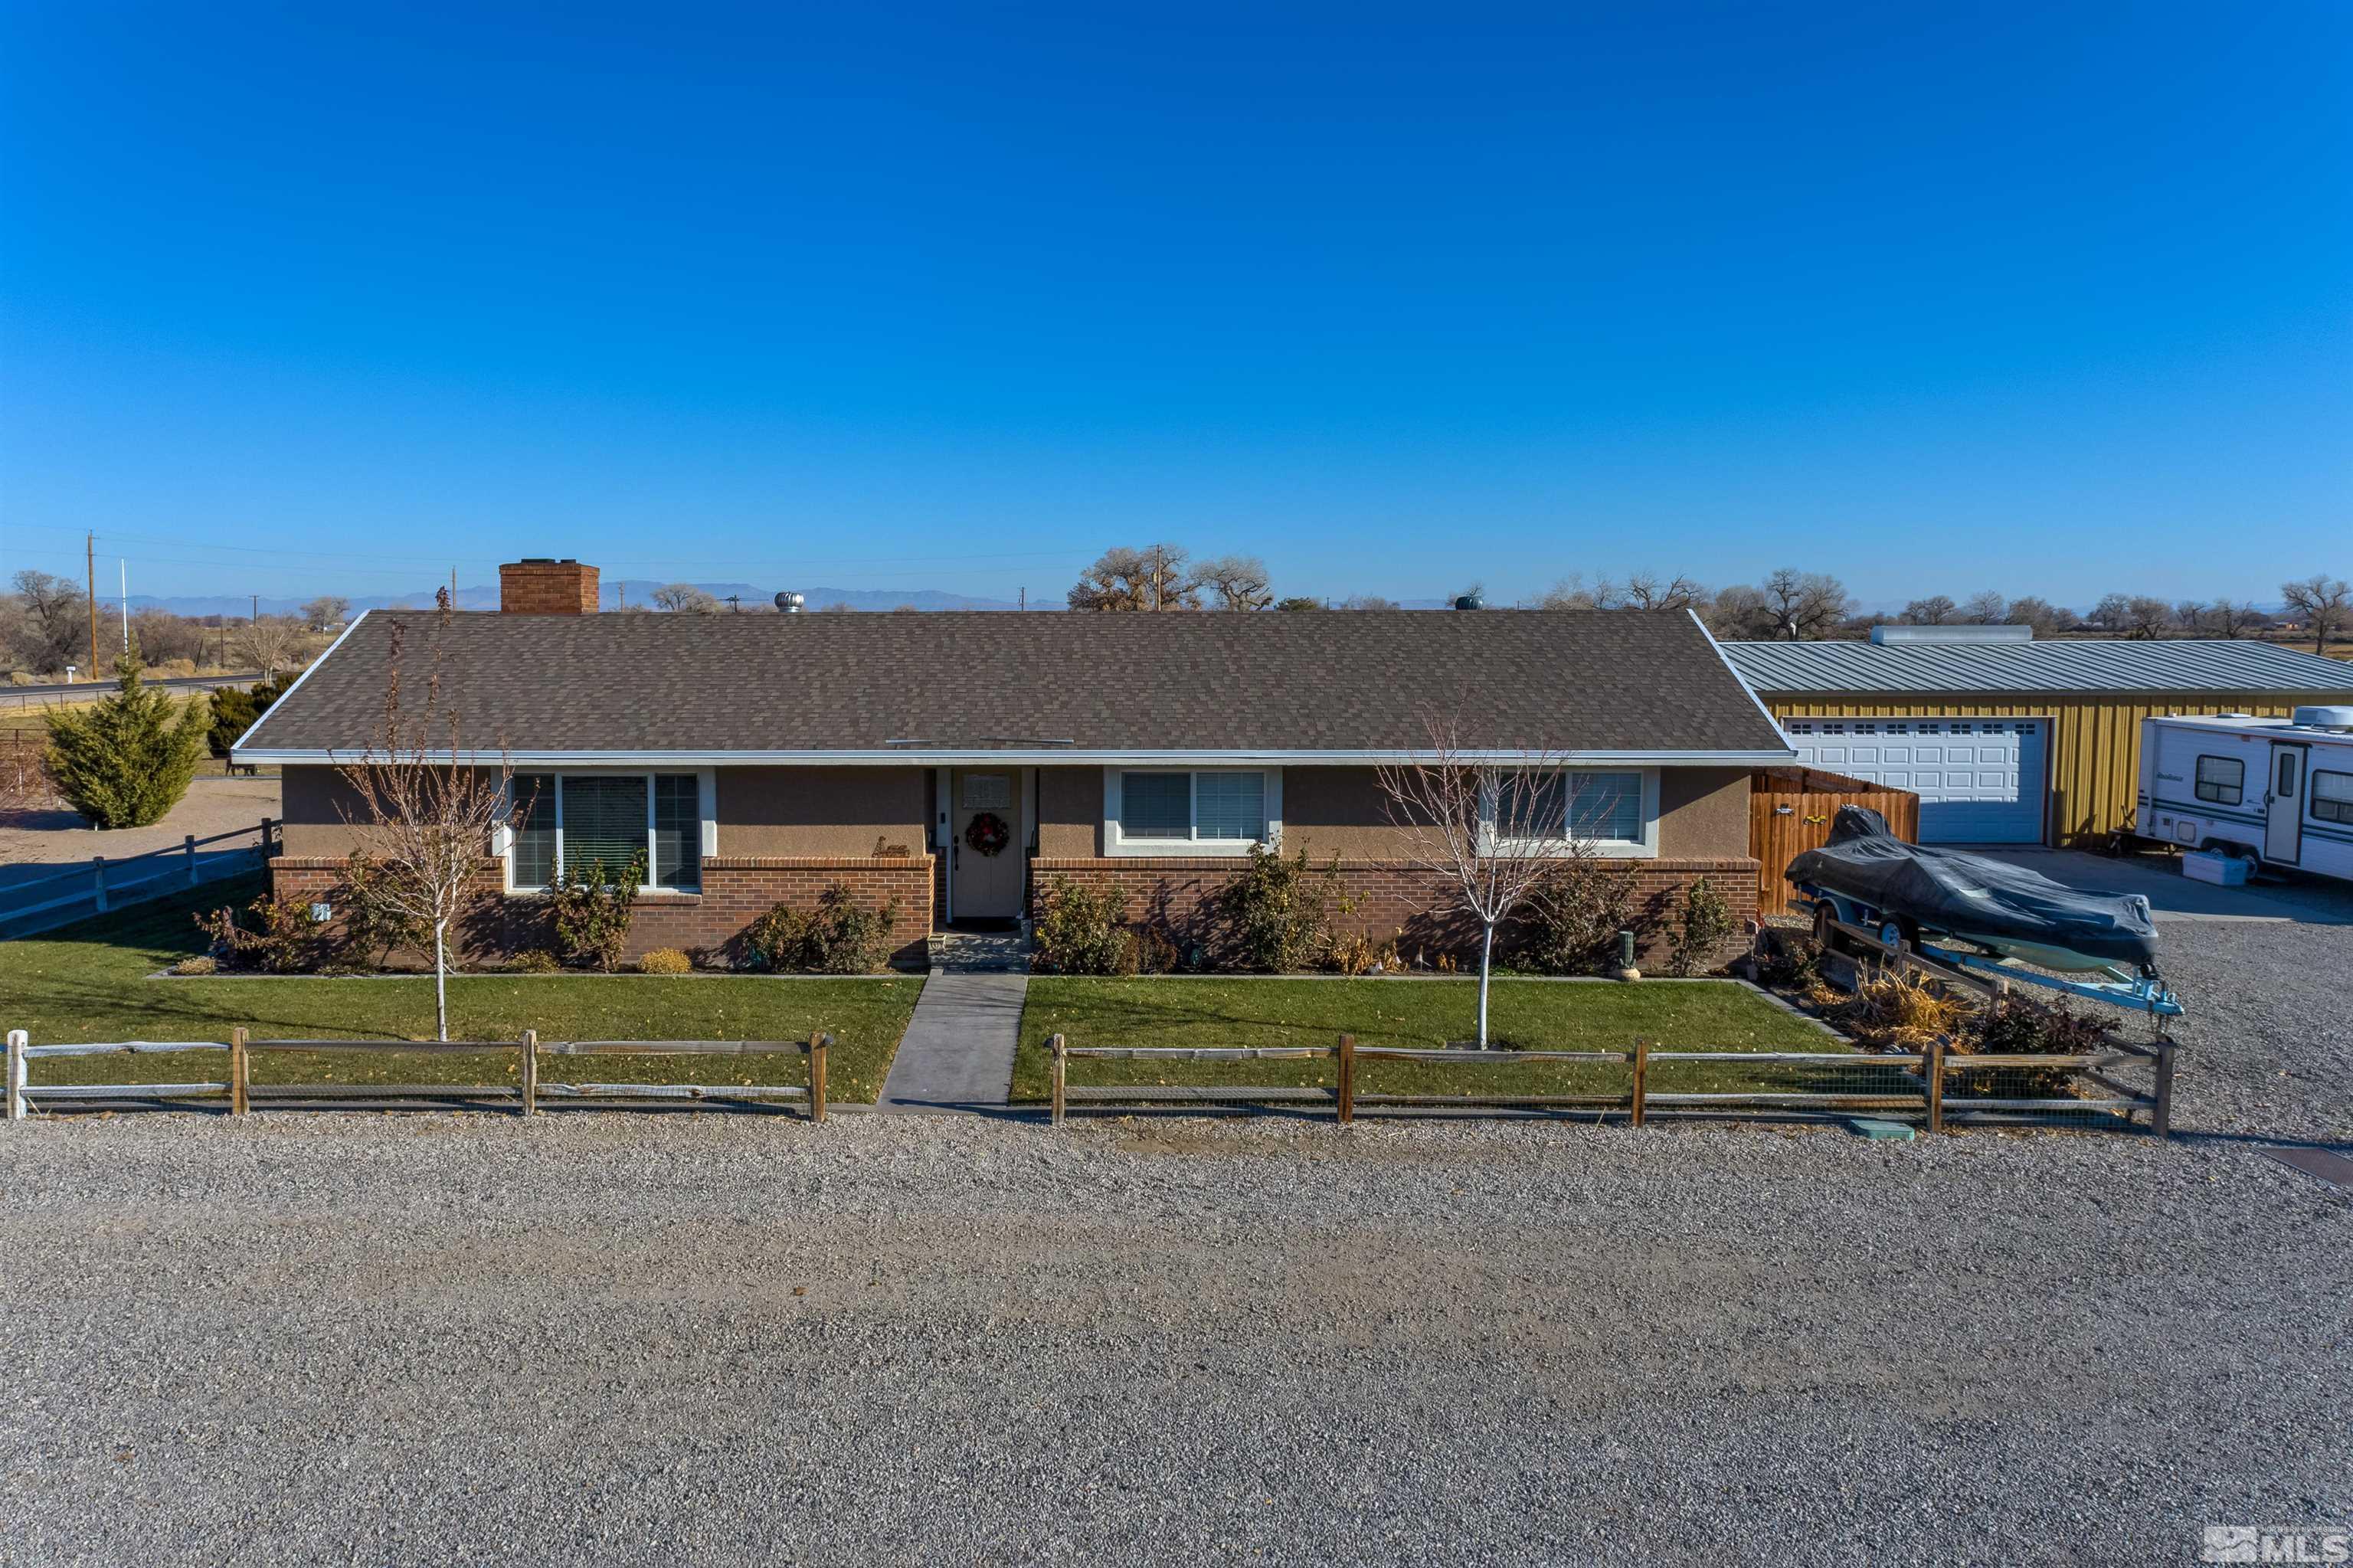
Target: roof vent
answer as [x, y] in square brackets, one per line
[1472, 600]
[789, 602]
[2325, 718]
[1884, 635]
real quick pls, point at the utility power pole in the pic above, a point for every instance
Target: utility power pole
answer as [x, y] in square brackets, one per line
[257, 607]
[89, 585]
[125, 566]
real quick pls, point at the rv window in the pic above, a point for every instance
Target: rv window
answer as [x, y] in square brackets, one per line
[2332, 798]
[2222, 780]
[2286, 788]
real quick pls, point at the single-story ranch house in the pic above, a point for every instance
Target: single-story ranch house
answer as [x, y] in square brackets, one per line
[957, 763]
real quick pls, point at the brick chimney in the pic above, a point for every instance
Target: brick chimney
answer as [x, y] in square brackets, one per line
[537, 585]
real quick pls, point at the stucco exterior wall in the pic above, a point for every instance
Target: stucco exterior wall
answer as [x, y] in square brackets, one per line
[1070, 812]
[1702, 812]
[823, 812]
[316, 801]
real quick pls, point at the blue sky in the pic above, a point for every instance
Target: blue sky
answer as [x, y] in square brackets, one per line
[2058, 300]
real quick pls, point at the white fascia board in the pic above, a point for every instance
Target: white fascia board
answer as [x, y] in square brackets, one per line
[946, 758]
[236, 752]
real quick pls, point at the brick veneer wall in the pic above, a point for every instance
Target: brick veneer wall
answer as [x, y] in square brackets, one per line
[736, 890]
[1177, 898]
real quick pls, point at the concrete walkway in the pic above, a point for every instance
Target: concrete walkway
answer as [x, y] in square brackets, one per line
[958, 1051]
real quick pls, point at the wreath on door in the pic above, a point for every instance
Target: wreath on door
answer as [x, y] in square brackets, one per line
[987, 833]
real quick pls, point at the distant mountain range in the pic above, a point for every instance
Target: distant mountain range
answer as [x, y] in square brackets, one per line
[612, 595]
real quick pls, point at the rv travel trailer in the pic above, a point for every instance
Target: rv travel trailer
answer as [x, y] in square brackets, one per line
[2269, 791]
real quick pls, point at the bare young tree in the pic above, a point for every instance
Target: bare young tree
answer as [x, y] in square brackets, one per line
[1494, 828]
[1936, 610]
[267, 643]
[1239, 581]
[428, 808]
[2325, 605]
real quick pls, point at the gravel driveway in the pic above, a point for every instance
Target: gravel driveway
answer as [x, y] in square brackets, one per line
[590, 1337]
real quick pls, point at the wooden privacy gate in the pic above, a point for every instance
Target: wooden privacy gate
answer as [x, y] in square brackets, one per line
[1790, 812]
[238, 1090]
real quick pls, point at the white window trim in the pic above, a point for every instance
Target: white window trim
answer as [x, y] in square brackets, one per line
[1116, 843]
[706, 799]
[1644, 848]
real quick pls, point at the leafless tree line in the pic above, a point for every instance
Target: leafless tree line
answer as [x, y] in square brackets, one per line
[45, 629]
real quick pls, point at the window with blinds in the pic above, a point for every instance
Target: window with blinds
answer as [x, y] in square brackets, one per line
[534, 822]
[678, 831]
[1220, 808]
[571, 820]
[1156, 806]
[1229, 806]
[1605, 806]
[604, 820]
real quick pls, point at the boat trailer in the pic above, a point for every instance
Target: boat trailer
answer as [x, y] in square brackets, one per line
[2143, 992]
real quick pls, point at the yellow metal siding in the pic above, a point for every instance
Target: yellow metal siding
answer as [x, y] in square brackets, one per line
[2095, 739]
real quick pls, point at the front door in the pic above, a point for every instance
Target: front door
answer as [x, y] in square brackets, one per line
[984, 885]
[2284, 805]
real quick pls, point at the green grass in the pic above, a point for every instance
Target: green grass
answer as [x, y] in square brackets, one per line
[1529, 1014]
[88, 983]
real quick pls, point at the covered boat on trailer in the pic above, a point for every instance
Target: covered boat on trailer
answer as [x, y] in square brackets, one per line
[1983, 914]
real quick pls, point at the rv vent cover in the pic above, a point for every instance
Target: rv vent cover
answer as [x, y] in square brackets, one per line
[2325, 718]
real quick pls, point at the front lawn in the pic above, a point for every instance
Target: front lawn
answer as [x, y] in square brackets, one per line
[1529, 1014]
[90, 982]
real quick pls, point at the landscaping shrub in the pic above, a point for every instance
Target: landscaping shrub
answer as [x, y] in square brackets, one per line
[125, 762]
[1079, 930]
[2014, 1027]
[593, 911]
[283, 940]
[372, 923]
[1152, 953]
[534, 961]
[1892, 1010]
[1791, 960]
[837, 937]
[1706, 925]
[665, 961]
[1276, 908]
[1572, 922]
[1358, 954]
[198, 964]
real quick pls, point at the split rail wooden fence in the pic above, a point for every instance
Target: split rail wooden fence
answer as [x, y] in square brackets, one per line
[237, 1087]
[1937, 1087]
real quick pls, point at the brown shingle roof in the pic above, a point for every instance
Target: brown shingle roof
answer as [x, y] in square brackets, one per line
[1338, 681]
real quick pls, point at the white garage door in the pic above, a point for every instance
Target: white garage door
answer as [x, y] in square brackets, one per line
[1981, 780]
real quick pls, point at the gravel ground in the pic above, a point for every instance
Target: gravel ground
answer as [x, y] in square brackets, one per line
[424, 1338]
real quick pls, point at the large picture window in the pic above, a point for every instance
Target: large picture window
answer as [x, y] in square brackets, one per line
[1224, 809]
[570, 820]
[2222, 780]
[1606, 809]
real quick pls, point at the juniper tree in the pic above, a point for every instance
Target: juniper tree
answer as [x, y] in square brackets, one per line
[126, 761]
